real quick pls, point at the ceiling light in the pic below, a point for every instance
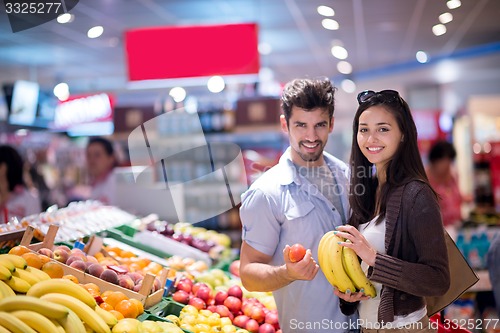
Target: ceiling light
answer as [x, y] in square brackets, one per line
[344, 67]
[216, 84]
[452, 4]
[330, 24]
[178, 94]
[61, 91]
[422, 57]
[95, 31]
[265, 48]
[447, 71]
[65, 18]
[439, 29]
[339, 52]
[326, 11]
[348, 86]
[445, 18]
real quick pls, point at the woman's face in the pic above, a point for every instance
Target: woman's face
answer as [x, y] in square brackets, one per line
[378, 136]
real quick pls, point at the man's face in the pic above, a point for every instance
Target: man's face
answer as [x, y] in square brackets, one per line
[308, 133]
[98, 162]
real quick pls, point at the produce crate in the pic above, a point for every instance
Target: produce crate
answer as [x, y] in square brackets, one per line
[143, 295]
[165, 307]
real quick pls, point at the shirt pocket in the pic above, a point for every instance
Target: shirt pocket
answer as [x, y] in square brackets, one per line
[299, 211]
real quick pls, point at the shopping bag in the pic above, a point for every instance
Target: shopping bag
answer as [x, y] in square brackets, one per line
[462, 277]
[446, 325]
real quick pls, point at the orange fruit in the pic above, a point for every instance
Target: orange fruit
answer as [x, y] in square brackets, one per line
[138, 304]
[106, 306]
[127, 309]
[71, 278]
[33, 260]
[53, 269]
[19, 250]
[117, 314]
[115, 297]
[44, 259]
[92, 286]
[105, 294]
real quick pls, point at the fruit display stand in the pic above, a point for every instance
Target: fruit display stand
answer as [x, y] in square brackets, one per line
[143, 295]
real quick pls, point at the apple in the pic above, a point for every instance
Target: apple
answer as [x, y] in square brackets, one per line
[257, 313]
[234, 268]
[222, 310]
[297, 252]
[252, 326]
[204, 293]
[272, 318]
[63, 248]
[197, 286]
[212, 308]
[197, 303]
[184, 285]
[233, 304]
[240, 321]
[181, 296]
[220, 297]
[235, 291]
[267, 328]
[61, 255]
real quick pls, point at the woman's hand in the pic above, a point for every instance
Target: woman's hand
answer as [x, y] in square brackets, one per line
[350, 297]
[358, 243]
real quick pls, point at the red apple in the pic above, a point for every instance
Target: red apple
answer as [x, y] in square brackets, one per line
[258, 314]
[181, 296]
[212, 308]
[233, 304]
[197, 303]
[184, 285]
[272, 318]
[222, 310]
[197, 286]
[252, 326]
[297, 252]
[234, 268]
[204, 293]
[240, 321]
[220, 297]
[266, 328]
[235, 291]
[61, 255]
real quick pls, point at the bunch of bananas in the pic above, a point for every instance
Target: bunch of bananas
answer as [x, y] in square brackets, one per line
[341, 266]
[16, 276]
[52, 306]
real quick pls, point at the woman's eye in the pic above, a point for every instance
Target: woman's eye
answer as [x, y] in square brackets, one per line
[362, 130]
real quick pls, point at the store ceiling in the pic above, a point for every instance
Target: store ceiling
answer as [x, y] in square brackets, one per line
[380, 35]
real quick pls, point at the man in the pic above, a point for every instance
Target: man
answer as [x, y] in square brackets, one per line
[297, 201]
[493, 259]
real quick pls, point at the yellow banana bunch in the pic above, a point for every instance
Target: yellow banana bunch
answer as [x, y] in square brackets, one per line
[33, 304]
[82, 310]
[107, 316]
[13, 324]
[5, 273]
[62, 286]
[36, 321]
[5, 262]
[18, 261]
[41, 275]
[18, 285]
[330, 262]
[354, 271]
[72, 323]
[5, 290]
[26, 276]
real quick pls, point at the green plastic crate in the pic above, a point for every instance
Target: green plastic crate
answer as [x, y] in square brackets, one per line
[121, 237]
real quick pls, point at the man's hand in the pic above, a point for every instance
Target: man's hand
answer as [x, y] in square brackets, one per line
[305, 269]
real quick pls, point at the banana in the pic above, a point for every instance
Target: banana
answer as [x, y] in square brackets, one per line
[85, 313]
[41, 275]
[60, 329]
[18, 261]
[26, 276]
[355, 273]
[36, 321]
[330, 258]
[13, 324]
[5, 290]
[4, 330]
[106, 316]
[18, 285]
[21, 302]
[62, 286]
[4, 261]
[72, 323]
[5, 273]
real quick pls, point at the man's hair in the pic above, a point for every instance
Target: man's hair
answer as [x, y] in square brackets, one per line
[308, 94]
[441, 150]
[105, 143]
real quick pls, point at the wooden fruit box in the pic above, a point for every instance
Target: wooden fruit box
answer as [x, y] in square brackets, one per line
[143, 295]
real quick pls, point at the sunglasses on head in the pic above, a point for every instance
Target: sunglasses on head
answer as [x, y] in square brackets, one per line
[364, 96]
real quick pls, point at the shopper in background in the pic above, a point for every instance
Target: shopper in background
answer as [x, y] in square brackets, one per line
[16, 200]
[101, 161]
[493, 260]
[395, 226]
[444, 182]
[297, 201]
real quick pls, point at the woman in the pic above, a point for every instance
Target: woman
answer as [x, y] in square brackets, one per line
[101, 161]
[16, 200]
[395, 226]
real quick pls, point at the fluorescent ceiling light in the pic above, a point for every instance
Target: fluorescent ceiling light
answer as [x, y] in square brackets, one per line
[95, 31]
[452, 4]
[330, 24]
[445, 18]
[339, 52]
[344, 67]
[326, 11]
[439, 29]
[422, 57]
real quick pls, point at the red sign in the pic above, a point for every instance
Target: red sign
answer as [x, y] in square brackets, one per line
[192, 51]
[84, 109]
